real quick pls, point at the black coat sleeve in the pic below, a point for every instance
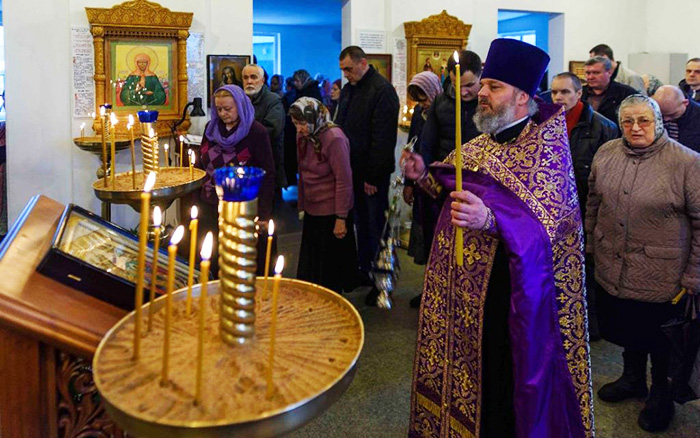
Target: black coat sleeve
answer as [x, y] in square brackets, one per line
[383, 134]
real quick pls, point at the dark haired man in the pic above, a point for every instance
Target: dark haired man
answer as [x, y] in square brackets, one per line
[368, 113]
[604, 95]
[691, 84]
[620, 74]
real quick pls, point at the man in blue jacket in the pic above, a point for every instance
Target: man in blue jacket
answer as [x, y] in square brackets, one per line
[681, 116]
[368, 114]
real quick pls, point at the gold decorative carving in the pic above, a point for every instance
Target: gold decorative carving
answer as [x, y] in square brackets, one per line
[433, 38]
[80, 410]
[141, 19]
[439, 25]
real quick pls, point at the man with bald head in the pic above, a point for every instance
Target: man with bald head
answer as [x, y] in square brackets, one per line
[681, 116]
[270, 112]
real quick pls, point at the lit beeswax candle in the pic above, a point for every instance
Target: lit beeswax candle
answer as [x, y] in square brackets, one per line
[194, 212]
[157, 219]
[279, 266]
[203, 278]
[270, 235]
[103, 112]
[113, 149]
[130, 127]
[141, 264]
[172, 252]
[459, 237]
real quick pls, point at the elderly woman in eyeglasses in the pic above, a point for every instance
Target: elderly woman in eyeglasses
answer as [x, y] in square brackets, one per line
[643, 226]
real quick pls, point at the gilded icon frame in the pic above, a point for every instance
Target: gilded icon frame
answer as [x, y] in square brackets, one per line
[440, 35]
[149, 25]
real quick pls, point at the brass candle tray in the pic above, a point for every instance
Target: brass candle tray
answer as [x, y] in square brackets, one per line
[172, 183]
[93, 144]
[319, 339]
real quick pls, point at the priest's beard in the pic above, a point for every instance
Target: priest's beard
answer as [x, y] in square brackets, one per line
[491, 120]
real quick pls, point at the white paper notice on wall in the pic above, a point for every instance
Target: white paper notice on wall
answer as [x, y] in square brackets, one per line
[399, 74]
[196, 67]
[372, 41]
[83, 72]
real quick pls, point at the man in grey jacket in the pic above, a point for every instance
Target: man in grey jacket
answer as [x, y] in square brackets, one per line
[270, 112]
[620, 74]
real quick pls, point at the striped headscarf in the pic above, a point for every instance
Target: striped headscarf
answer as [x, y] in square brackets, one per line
[317, 117]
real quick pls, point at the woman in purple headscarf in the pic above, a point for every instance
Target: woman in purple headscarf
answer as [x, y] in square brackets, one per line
[233, 137]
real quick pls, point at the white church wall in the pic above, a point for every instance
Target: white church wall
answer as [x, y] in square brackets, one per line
[41, 155]
[40, 126]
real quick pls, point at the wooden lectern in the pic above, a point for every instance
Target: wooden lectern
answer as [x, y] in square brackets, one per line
[48, 335]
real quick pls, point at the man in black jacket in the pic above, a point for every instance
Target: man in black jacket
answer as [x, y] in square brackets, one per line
[270, 112]
[438, 138]
[588, 131]
[681, 116]
[691, 84]
[368, 113]
[604, 95]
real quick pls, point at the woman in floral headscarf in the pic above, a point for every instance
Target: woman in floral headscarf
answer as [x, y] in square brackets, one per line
[233, 137]
[328, 255]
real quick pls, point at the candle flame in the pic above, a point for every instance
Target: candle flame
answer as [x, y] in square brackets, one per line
[102, 111]
[150, 182]
[113, 118]
[177, 235]
[165, 146]
[157, 216]
[93, 115]
[82, 125]
[271, 227]
[456, 56]
[207, 246]
[182, 139]
[151, 133]
[191, 155]
[279, 266]
[194, 211]
[131, 119]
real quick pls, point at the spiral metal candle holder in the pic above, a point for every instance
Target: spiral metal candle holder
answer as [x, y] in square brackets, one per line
[149, 145]
[238, 189]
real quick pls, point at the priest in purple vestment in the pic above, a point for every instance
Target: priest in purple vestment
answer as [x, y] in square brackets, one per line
[502, 346]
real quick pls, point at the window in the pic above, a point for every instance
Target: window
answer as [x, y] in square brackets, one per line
[526, 36]
[266, 48]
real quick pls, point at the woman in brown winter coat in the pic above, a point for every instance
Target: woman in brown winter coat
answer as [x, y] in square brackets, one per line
[643, 226]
